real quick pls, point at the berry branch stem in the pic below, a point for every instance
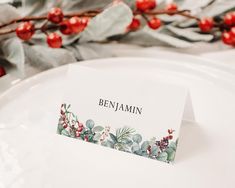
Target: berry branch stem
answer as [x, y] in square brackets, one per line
[185, 13]
[75, 23]
[91, 14]
[39, 18]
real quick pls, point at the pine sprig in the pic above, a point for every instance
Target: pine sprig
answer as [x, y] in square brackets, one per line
[124, 133]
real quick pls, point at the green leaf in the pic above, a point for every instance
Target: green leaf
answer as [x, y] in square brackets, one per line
[189, 34]
[109, 144]
[83, 5]
[171, 154]
[124, 133]
[162, 156]
[155, 150]
[97, 136]
[91, 51]
[108, 23]
[137, 138]
[218, 8]
[65, 133]
[8, 13]
[113, 137]
[59, 128]
[38, 7]
[98, 129]
[135, 148]
[166, 38]
[127, 142]
[145, 145]
[90, 123]
[13, 52]
[173, 145]
[43, 58]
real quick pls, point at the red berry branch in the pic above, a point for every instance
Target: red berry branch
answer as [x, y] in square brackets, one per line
[71, 24]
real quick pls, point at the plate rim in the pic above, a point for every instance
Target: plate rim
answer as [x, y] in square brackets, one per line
[39, 76]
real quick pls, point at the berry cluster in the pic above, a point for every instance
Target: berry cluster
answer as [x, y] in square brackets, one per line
[73, 25]
[146, 9]
[164, 142]
[144, 6]
[228, 36]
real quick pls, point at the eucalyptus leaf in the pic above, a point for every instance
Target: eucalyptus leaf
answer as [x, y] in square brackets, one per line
[190, 34]
[135, 147]
[205, 10]
[113, 137]
[173, 145]
[90, 123]
[141, 38]
[170, 154]
[127, 141]
[44, 58]
[108, 23]
[84, 5]
[192, 4]
[59, 128]
[145, 145]
[155, 150]
[97, 137]
[38, 7]
[167, 38]
[8, 13]
[65, 133]
[110, 144]
[162, 156]
[217, 8]
[13, 52]
[137, 138]
[98, 129]
[93, 51]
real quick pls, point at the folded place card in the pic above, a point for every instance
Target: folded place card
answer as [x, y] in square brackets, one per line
[137, 115]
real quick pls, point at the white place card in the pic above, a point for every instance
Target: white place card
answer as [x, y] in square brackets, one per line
[137, 115]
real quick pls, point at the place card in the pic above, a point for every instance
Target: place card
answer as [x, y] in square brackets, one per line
[128, 113]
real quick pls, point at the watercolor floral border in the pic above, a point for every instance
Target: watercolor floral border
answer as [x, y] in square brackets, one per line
[124, 139]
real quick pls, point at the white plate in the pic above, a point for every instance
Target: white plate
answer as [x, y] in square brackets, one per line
[32, 155]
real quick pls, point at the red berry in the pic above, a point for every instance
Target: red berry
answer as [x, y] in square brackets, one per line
[65, 126]
[229, 19]
[2, 71]
[135, 24]
[172, 7]
[84, 22]
[65, 27]
[86, 138]
[55, 15]
[206, 24]
[80, 125]
[154, 23]
[227, 38]
[149, 150]
[25, 30]
[144, 5]
[75, 24]
[170, 131]
[54, 40]
[78, 134]
[170, 137]
[80, 129]
[232, 32]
